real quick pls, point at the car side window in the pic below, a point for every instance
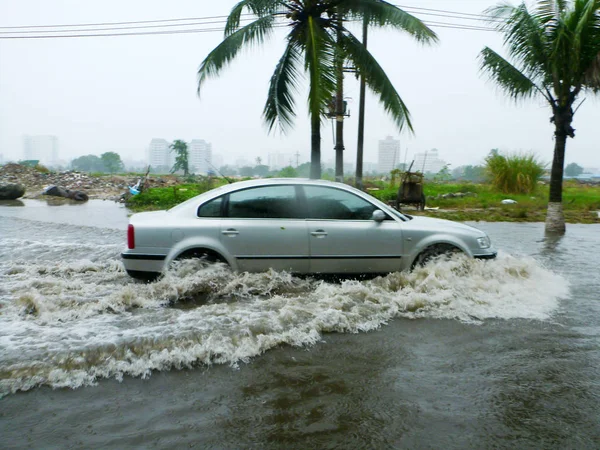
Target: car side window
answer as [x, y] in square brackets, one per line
[336, 204]
[211, 208]
[269, 202]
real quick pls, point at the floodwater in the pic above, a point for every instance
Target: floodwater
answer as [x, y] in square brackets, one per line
[460, 354]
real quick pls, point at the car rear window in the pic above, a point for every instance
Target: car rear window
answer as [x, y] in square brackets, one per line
[268, 202]
[211, 208]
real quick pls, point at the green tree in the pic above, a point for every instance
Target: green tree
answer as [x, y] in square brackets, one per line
[573, 169]
[556, 51]
[112, 162]
[303, 170]
[261, 170]
[288, 172]
[181, 157]
[246, 171]
[313, 38]
[227, 170]
[88, 163]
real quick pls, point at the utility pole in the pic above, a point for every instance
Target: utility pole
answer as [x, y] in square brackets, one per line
[297, 158]
[361, 119]
[339, 105]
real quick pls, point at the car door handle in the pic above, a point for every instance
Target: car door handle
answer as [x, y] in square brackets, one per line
[319, 233]
[230, 232]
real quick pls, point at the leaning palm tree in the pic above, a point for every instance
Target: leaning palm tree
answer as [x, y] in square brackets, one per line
[556, 51]
[181, 157]
[314, 36]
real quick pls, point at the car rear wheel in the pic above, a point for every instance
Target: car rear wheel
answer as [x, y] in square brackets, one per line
[209, 256]
[143, 276]
[434, 251]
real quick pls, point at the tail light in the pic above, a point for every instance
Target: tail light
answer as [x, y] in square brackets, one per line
[130, 237]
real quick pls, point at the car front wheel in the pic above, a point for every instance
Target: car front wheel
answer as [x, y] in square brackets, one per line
[434, 251]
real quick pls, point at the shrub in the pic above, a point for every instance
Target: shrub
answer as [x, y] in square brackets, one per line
[514, 174]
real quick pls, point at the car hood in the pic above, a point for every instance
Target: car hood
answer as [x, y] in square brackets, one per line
[431, 223]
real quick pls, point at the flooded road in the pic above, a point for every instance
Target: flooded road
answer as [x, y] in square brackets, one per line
[461, 354]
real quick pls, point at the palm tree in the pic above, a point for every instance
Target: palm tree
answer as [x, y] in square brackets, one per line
[181, 157]
[556, 50]
[312, 41]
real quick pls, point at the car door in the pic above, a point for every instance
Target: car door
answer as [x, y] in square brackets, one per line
[343, 237]
[264, 228]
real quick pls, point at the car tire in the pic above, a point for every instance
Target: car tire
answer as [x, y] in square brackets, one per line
[148, 277]
[434, 251]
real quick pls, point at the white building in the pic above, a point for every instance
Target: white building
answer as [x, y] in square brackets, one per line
[389, 155]
[277, 161]
[200, 156]
[428, 162]
[160, 155]
[42, 148]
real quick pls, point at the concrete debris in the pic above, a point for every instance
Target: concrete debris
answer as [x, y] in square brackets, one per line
[99, 187]
[452, 195]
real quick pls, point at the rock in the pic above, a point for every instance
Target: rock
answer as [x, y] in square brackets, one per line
[508, 201]
[11, 191]
[58, 191]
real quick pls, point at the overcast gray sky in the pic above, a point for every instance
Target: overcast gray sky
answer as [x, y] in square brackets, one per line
[117, 93]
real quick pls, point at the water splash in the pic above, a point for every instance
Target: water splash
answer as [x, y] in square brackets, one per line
[69, 324]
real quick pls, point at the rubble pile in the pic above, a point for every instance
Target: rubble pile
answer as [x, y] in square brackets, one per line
[103, 187]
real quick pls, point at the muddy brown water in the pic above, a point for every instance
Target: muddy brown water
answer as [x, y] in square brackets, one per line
[460, 354]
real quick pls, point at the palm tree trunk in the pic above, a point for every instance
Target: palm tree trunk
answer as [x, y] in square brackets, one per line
[555, 218]
[339, 111]
[315, 147]
[361, 120]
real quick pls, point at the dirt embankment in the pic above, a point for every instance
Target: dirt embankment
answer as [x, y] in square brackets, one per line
[99, 187]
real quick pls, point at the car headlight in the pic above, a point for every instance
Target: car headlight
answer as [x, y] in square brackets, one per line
[484, 242]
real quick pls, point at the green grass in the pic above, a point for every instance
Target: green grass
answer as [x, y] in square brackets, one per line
[514, 174]
[580, 202]
[167, 197]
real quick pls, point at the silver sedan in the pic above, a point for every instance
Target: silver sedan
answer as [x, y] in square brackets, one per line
[300, 226]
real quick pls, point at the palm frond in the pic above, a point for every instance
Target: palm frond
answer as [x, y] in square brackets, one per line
[514, 82]
[227, 50]
[258, 7]
[280, 101]
[384, 14]
[525, 39]
[377, 80]
[319, 49]
[549, 11]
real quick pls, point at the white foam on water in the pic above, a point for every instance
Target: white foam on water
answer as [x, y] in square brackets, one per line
[69, 324]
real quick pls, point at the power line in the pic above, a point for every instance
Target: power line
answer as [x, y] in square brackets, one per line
[483, 16]
[167, 23]
[117, 28]
[118, 23]
[141, 33]
[418, 10]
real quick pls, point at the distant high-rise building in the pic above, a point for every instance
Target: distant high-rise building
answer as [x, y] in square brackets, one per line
[278, 160]
[160, 155]
[217, 161]
[200, 156]
[42, 148]
[389, 154]
[428, 162]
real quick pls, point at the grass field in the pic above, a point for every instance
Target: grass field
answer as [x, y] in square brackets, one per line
[581, 202]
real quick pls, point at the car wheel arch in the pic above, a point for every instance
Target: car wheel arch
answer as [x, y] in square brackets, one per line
[447, 244]
[199, 251]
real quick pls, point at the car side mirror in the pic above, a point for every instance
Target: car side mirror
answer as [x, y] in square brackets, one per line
[378, 215]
